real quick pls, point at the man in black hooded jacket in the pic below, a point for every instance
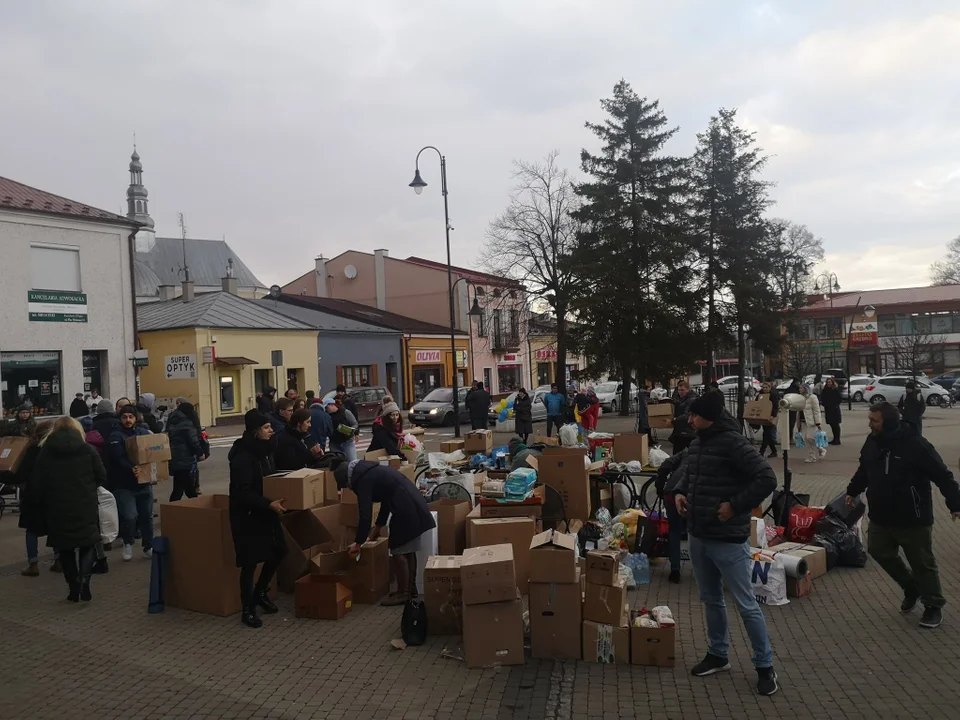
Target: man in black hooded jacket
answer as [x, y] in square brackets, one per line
[896, 468]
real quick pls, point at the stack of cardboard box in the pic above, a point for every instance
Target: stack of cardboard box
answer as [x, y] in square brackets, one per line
[150, 453]
[492, 608]
[397, 462]
[555, 597]
[443, 595]
[606, 637]
[517, 531]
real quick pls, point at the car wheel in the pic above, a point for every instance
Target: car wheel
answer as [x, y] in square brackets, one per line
[448, 419]
[858, 396]
[877, 399]
[613, 406]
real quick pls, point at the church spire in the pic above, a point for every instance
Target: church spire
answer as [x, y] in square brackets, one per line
[137, 193]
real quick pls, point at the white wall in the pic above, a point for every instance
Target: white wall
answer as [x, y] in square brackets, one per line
[104, 277]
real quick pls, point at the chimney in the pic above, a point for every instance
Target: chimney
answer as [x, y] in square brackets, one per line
[228, 282]
[167, 292]
[321, 274]
[187, 290]
[381, 277]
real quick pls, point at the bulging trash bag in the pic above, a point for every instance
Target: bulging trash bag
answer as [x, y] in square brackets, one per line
[850, 515]
[844, 543]
[109, 520]
[568, 435]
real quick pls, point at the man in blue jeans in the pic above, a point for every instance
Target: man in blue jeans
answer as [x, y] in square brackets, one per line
[134, 499]
[721, 480]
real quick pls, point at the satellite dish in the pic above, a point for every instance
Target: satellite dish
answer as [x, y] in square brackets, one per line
[350, 271]
[274, 291]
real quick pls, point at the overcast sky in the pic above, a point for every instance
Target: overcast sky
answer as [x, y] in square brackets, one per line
[291, 127]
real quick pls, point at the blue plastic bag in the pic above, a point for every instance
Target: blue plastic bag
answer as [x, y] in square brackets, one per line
[820, 439]
[798, 440]
[479, 460]
[640, 565]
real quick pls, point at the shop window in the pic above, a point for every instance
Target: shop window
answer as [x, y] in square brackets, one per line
[94, 372]
[887, 326]
[543, 373]
[508, 377]
[31, 378]
[55, 268]
[228, 400]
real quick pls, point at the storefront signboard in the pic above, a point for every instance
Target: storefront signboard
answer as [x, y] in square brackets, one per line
[56, 306]
[427, 356]
[863, 334]
[461, 358]
[180, 367]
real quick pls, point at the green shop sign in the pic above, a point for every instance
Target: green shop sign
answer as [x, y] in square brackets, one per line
[56, 306]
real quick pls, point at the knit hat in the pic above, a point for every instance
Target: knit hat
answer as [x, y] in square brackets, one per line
[343, 472]
[709, 406]
[253, 420]
[128, 410]
[390, 408]
[104, 406]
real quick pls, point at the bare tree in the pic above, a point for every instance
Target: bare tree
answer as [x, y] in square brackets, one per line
[916, 352]
[532, 239]
[947, 272]
[804, 358]
[798, 250]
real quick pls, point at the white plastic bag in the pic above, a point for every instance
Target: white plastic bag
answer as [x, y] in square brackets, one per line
[568, 435]
[769, 579]
[657, 456]
[411, 441]
[109, 520]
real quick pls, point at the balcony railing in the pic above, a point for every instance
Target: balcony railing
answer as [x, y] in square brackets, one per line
[506, 341]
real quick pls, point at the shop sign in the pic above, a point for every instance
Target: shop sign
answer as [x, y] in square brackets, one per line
[546, 354]
[29, 359]
[863, 334]
[427, 356]
[181, 367]
[208, 354]
[141, 358]
[461, 358]
[56, 306]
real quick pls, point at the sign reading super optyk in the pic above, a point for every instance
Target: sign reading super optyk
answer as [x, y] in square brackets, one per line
[56, 306]
[181, 367]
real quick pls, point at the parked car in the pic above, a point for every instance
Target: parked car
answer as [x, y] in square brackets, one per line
[858, 384]
[539, 409]
[437, 407]
[367, 400]
[729, 383]
[947, 379]
[609, 394]
[892, 388]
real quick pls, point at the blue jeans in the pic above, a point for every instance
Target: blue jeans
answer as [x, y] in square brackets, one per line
[715, 564]
[135, 508]
[33, 548]
[349, 449]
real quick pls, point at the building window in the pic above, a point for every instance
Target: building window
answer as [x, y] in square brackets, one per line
[55, 268]
[355, 375]
[887, 326]
[515, 326]
[482, 325]
[93, 375]
[941, 324]
[904, 326]
[508, 377]
[228, 400]
[30, 378]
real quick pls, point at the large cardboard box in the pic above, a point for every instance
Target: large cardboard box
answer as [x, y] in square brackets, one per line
[145, 449]
[605, 643]
[331, 494]
[631, 446]
[653, 646]
[367, 575]
[553, 558]
[299, 489]
[202, 573]
[471, 518]
[304, 531]
[606, 604]
[516, 531]
[759, 412]
[478, 441]
[603, 567]
[493, 634]
[349, 513]
[12, 450]
[799, 587]
[564, 469]
[815, 556]
[659, 415]
[555, 617]
[443, 595]
[321, 597]
[152, 473]
[451, 524]
[449, 446]
[487, 574]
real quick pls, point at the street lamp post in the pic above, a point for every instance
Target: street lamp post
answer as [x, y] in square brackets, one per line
[829, 287]
[475, 310]
[418, 185]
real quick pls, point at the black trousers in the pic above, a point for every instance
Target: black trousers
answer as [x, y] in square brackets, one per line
[247, 591]
[183, 484]
[77, 564]
[554, 421]
[769, 438]
[836, 432]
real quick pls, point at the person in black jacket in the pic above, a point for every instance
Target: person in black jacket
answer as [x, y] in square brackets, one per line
[896, 469]
[683, 433]
[255, 520]
[831, 398]
[283, 411]
[346, 400]
[296, 447]
[523, 415]
[185, 450]
[388, 431]
[31, 513]
[148, 418]
[769, 439]
[723, 478]
[665, 473]
[401, 503]
[912, 406]
[478, 407]
[64, 483]
[265, 400]
[78, 408]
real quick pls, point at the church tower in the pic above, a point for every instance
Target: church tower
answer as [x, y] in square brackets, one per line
[137, 205]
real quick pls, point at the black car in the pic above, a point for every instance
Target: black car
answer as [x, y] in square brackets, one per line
[437, 407]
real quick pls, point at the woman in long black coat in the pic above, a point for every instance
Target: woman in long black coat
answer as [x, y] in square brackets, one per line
[523, 415]
[831, 399]
[295, 443]
[64, 484]
[185, 451]
[255, 520]
[31, 513]
[401, 503]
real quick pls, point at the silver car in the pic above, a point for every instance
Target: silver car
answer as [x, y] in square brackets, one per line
[539, 409]
[608, 393]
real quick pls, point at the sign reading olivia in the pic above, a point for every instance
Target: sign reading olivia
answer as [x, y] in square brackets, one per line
[427, 356]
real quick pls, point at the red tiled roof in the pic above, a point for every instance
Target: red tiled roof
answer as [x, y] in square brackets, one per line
[17, 196]
[474, 275]
[931, 295]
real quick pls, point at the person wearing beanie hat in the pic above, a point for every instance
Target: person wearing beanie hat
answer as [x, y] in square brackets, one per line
[134, 498]
[23, 425]
[720, 478]
[254, 519]
[105, 407]
[388, 431]
[296, 447]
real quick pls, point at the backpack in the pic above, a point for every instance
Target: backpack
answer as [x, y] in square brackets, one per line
[413, 625]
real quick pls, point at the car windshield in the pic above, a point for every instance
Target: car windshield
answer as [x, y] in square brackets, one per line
[439, 395]
[607, 387]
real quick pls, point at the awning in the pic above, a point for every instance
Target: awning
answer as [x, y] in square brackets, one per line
[236, 360]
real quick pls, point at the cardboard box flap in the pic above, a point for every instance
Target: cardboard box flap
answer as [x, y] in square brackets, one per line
[553, 538]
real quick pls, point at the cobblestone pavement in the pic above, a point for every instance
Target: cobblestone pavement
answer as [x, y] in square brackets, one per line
[843, 652]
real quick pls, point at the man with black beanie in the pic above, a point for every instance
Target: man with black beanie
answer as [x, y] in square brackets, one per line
[722, 480]
[897, 466]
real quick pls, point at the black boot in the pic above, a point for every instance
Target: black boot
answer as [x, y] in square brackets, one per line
[263, 600]
[249, 617]
[87, 558]
[68, 562]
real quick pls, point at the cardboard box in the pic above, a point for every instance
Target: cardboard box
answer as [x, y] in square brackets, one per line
[555, 618]
[151, 473]
[516, 531]
[144, 449]
[799, 587]
[299, 489]
[451, 524]
[659, 415]
[331, 494]
[488, 575]
[493, 634]
[12, 450]
[320, 597]
[512, 509]
[304, 531]
[605, 643]
[758, 533]
[367, 575]
[472, 517]
[548, 441]
[815, 556]
[449, 446]
[606, 604]
[381, 456]
[564, 469]
[603, 567]
[653, 646]
[631, 446]
[409, 472]
[759, 412]
[202, 574]
[349, 515]
[478, 441]
[443, 595]
[553, 558]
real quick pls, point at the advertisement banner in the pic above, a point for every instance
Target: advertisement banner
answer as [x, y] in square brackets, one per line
[56, 306]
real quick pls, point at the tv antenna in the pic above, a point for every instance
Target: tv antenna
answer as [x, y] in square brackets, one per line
[183, 240]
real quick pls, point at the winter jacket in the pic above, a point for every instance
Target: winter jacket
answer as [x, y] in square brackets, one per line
[185, 445]
[811, 415]
[519, 454]
[911, 406]
[19, 428]
[78, 408]
[31, 512]
[478, 404]
[556, 402]
[321, 427]
[681, 417]
[582, 402]
[293, 449]
[265, 402]
[400, 502]
[523, 414]
[342, 418]
[119, 466]
[277, 422]
[145, 407]
[722, 466]
[64, 484]
[257, 533]
[831, 399]
[104, 424]
[384, 439]
[896, 469]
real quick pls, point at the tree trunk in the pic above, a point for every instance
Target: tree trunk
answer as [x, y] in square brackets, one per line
[561, 365]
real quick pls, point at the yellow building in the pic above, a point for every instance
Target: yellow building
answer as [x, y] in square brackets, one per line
[216, 350]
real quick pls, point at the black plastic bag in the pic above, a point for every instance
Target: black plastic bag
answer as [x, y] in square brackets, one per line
[850, 515]
[833, 554]
[413, 624]
[833, 535]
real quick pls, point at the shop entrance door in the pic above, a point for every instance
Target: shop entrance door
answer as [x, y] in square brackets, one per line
[425, 379]
[392, 381]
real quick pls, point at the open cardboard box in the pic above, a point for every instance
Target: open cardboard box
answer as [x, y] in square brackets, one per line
[367, 575]
[305, 530]
[299, 489]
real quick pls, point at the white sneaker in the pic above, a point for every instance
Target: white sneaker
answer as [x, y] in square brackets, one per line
[810, 460]
[148, 552]
[823, 453]
[127, 552]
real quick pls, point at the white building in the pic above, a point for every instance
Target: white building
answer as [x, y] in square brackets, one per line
[67, 317]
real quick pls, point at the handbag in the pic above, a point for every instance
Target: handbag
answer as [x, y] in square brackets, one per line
[413, 624]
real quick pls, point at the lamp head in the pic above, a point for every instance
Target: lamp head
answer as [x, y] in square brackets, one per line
[476, 310]
[418, 184]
